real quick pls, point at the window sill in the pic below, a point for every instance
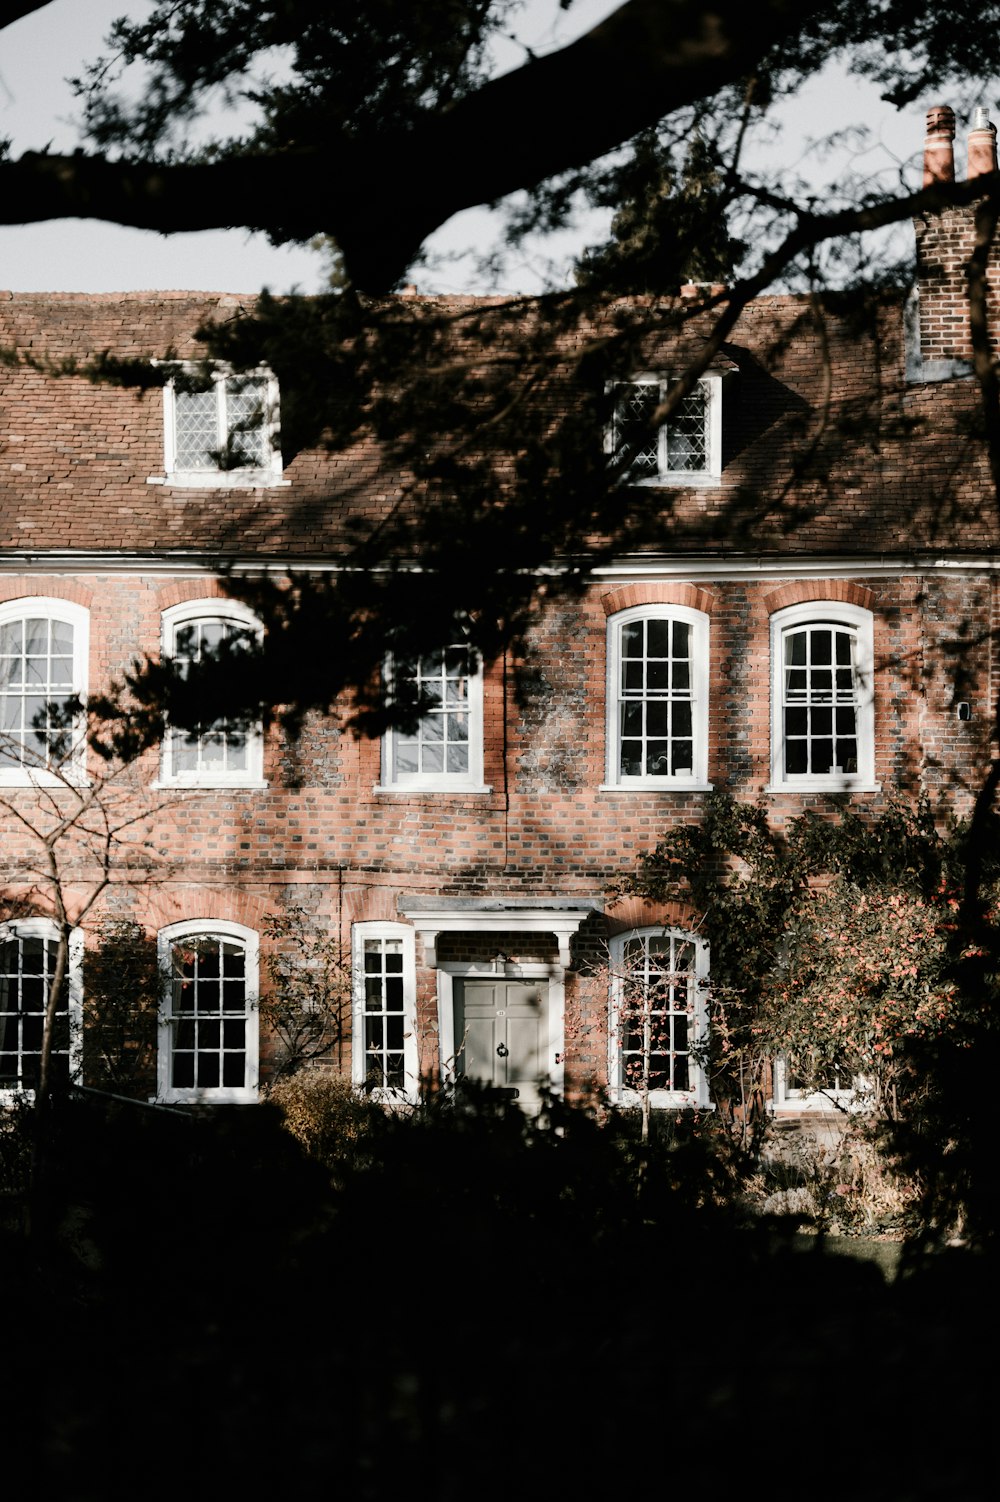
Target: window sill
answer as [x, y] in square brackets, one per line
[235, 479]
[693, 480]
[433, 790]
[655, 785]
[21, 779]
[821, 785]
[208, 784]
[626, 1100]
[233, 1096]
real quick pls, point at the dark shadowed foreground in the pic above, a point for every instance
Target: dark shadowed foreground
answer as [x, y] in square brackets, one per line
[466, 1306]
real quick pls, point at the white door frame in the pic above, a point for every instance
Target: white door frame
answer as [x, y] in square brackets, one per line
[555, 975]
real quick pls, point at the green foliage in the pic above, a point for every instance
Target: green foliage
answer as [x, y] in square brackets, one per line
[857, 949]
[865, 976]
[668, 227]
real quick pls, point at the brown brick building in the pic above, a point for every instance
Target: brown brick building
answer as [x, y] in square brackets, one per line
[820, 622]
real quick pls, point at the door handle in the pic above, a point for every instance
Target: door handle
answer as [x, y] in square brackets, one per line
[502, 1050]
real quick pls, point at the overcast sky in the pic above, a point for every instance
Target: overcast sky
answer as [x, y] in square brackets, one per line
[38, 53]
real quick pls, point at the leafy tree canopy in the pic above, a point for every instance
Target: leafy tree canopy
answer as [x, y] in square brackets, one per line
[372, 125]
[375, 123]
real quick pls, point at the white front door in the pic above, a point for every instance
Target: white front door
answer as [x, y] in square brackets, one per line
[503, 1037]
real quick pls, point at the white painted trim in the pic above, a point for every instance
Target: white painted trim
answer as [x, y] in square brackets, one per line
[73, 769]
[719, 567]
[470, 781]
[837, 613]
[700, 648]
[47, 928]
[429, 922]
[210, 609]
[784, 1102]
[697, 1096]
[411, 1050]
[554, 975]
[414, 790]
[711, 381]
[220, 929]
[251, 478]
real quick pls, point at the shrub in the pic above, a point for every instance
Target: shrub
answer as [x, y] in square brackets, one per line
[331, 1121]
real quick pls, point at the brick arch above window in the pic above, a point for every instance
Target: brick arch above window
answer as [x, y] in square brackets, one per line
[806, 591]
[48, 585]
[205, 904]
[626, 913]
[181, 591]
[628, 595]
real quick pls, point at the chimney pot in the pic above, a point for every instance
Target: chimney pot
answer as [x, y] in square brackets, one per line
[939, 150]
[982, 156]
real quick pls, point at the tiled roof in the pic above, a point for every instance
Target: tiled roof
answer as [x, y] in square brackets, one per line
[825, 448]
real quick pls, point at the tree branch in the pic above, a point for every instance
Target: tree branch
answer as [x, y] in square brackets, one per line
[380, 197]
[16, 10]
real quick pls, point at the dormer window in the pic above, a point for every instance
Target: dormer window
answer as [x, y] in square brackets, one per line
[686, 449]
[220, 429]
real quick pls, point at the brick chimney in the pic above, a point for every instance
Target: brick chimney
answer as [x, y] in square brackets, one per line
[938, 341]
[939, 146]
[982, 145]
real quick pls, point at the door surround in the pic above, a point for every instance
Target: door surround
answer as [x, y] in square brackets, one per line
[554, 975]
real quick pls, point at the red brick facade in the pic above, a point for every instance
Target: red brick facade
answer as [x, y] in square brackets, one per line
[846, 486]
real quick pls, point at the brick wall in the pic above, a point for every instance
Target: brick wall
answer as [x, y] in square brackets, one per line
[321, 834]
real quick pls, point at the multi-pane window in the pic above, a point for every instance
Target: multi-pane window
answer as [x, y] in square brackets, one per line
[385, 1013]
[220, 750]
[221, 427]
[687, 445]
[822, 721]
[657, 1021]
[657, 696]
[441, 744]
[28, 958]
[42, 650]
[208, 1025]
[804, 1084]
[820, 699]
[384, 1045]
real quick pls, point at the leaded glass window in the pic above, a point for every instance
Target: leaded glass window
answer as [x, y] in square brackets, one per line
[223, 427]
[636, 441]
[679, 446]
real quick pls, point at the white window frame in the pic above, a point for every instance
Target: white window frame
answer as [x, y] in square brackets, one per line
[789, 1101]
[73, 767]
[190, 611]
[45, 928]
[470, 781]
[711, 385]
[836, 614]
[361, 932]
[247, 1093]
[215, 478]
[697, 779]
[696, 1096]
